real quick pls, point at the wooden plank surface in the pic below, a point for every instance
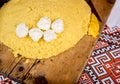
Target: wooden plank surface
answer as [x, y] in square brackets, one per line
[7, 60]
[22, 68]
[62, 69]
[103, 8]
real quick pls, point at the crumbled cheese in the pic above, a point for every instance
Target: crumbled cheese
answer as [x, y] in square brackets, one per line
[21, 30]
[58, 26]
[44, 23]
[43, 30]
[49, 35]
[35, 34]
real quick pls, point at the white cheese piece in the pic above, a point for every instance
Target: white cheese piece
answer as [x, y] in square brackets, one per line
[58, 26]
[22, 30]
[44, 23]
[49, 35]
[35, 34]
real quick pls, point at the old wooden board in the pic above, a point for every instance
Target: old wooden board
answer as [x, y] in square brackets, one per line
[62, 69]
[103, 7]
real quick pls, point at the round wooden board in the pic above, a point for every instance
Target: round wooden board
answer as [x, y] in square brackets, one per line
[62, 69]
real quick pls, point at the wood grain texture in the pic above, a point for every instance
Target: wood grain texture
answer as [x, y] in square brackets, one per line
[65, 68]
[103, 8]
[62, 69]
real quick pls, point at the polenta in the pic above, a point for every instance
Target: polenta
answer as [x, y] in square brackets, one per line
[76, 15]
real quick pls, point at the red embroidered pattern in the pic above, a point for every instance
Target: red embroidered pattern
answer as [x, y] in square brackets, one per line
[103, 67]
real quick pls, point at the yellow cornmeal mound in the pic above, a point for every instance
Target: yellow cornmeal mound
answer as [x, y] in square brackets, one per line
[76, 15]
[94, 26]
